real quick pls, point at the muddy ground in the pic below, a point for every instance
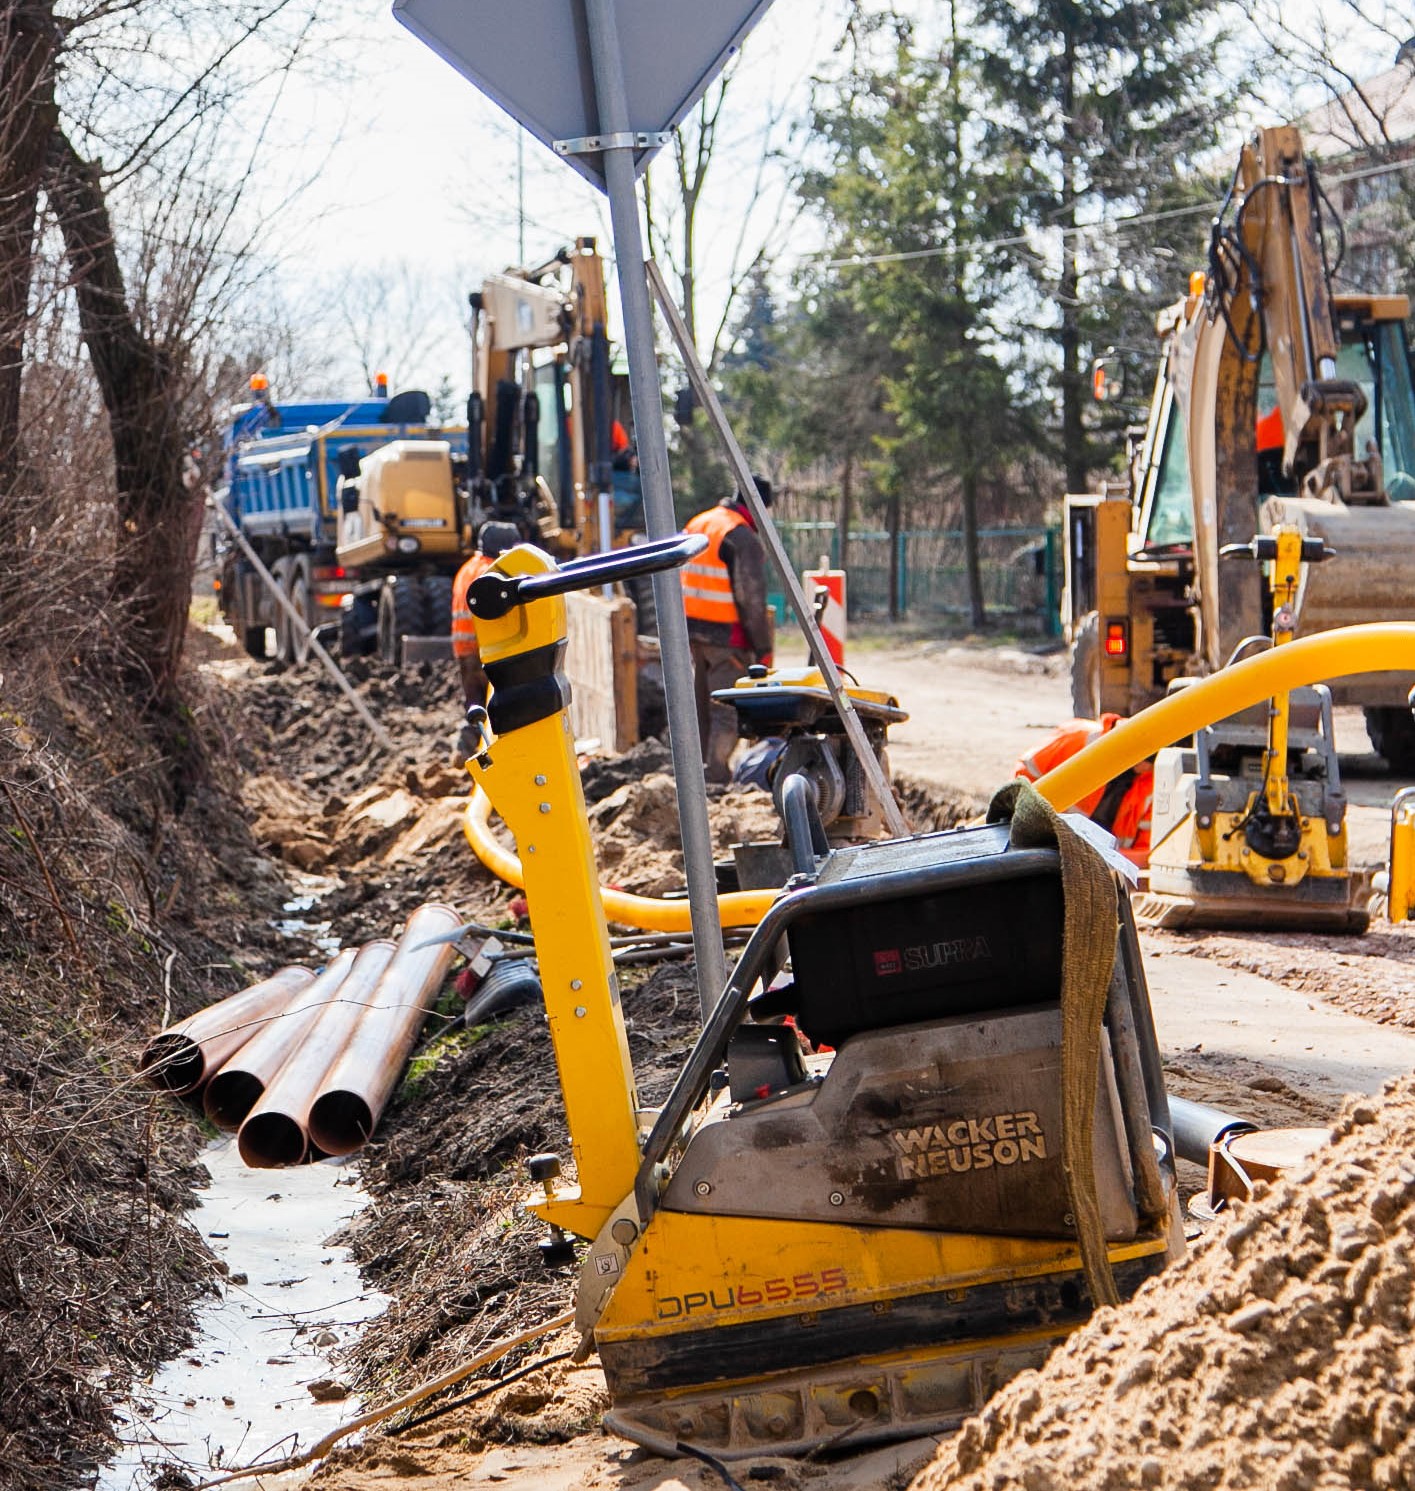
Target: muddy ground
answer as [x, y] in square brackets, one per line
[308, 830]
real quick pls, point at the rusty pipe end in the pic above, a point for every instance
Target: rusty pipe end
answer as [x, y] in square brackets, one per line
[268, 1141]
[340, 1121]
[230, 1096]
[173, 1062]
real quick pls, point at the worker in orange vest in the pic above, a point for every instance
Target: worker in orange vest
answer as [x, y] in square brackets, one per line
[1123, 806]
[724, 595]
[493, 540]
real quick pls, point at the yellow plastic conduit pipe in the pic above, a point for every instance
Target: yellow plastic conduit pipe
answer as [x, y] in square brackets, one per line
[743, 908]
[1381, 647]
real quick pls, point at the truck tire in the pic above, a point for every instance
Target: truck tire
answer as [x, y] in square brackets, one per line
[284, 639]
[1392, 732]
[300, 600]
[400, 614]
[358, 627]
[1086, 667]
[437, 605]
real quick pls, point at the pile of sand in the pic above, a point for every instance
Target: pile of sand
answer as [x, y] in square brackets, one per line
[1279, 1354]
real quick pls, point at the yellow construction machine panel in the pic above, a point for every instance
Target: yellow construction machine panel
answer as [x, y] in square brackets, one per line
[693, 1271]
[406, 504]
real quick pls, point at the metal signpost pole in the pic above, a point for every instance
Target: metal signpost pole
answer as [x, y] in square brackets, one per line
[645, 393]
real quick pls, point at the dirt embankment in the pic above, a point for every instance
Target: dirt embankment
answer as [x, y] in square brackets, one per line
[1279, 1354]
[117, 904]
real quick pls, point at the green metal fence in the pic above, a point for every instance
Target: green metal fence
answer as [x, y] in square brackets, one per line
[1020, 567]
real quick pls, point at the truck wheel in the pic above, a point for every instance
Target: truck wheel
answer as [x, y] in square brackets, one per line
[1392, 732]
[300, 600]
[437, 605]
[284, 639]
[253, 639]
[358, 627]
[400, 614]
[1085, 668]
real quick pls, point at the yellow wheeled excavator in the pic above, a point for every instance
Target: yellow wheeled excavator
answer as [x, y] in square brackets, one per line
[861, 1234]
[1277, 401]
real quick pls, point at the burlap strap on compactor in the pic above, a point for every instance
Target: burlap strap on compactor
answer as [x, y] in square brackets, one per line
[1090, 931]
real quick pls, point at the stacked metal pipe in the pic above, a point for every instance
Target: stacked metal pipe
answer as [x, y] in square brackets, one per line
[301, 1065]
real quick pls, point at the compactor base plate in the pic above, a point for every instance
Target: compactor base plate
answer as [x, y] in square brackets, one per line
[1221, 901]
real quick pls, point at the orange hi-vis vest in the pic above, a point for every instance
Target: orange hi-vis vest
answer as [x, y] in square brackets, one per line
[1129, 818]
[707, 585]
[464, 630]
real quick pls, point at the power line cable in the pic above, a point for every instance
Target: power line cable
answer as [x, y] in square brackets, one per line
[1082, 230]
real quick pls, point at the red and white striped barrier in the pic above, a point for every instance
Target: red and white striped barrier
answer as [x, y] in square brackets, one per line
[832, 614]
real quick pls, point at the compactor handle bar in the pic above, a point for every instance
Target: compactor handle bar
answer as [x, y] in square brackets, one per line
[493, 594]
[1264, 546]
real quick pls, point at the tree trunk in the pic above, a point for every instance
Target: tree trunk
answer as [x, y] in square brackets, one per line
[158, 517]
[844, 513]
[1073, 433]
[970, 550]
[28, 40]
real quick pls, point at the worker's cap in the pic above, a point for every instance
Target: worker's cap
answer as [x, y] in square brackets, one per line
[618, 438]
[764, 490]
[496, 538]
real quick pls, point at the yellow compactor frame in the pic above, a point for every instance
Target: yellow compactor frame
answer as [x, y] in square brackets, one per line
[676, 1299]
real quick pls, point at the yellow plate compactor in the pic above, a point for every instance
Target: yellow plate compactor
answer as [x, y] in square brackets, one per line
[860, 1236]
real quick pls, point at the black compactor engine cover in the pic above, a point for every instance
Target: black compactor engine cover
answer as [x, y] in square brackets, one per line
[973, 948]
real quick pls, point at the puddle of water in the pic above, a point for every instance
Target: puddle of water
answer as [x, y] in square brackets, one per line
[317, 933]
[240, 1394]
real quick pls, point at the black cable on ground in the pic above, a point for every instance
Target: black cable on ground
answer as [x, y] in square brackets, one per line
[711, 1461]
[483, 1392]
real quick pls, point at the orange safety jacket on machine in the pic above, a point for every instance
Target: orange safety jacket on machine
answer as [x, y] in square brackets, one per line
[464, 631]
[707, 584]
[1122, 806]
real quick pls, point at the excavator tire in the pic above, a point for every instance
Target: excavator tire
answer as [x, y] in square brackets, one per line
[640, 588]
[437, 605]
[1085, 668]
[400, 614]
[1392, 732]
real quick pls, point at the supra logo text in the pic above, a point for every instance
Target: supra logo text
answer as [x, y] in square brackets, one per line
[949, 952]
[966, 1144]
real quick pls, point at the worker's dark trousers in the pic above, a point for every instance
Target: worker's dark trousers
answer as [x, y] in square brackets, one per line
[716, 667]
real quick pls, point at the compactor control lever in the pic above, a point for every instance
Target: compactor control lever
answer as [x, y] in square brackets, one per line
[493, 594]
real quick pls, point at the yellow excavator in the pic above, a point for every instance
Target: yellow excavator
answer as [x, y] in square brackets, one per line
[1278, 401]
[537, 452]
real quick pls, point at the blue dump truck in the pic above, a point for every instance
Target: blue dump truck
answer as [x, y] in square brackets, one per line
[292, 482]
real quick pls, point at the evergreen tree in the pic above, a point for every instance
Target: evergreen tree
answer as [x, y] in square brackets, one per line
[907, 184]
[1109, 101]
